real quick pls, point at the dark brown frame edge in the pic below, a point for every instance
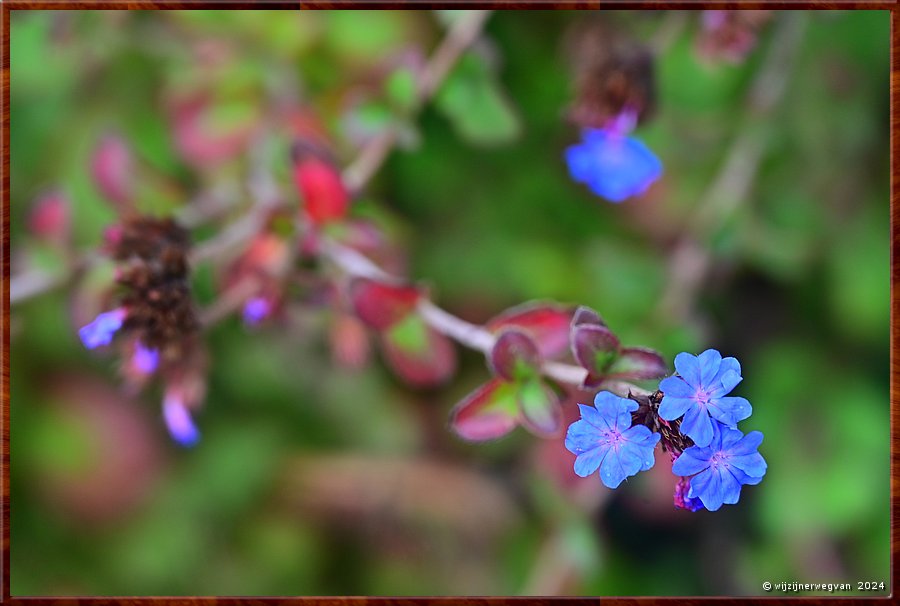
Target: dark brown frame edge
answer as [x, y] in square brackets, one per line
[11, 5]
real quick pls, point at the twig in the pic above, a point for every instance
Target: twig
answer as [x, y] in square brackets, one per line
[460, 36]
[690, 261]
[465, 333]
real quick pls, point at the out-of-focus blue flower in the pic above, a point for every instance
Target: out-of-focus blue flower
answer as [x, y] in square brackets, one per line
[101, 330]
[178, 420]
[604, 439]
[699, 392]
[730, 461]
[256, 310]
[613, 166]
[144, 359]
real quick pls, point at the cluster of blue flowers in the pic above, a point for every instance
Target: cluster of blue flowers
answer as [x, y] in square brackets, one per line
[721, 459]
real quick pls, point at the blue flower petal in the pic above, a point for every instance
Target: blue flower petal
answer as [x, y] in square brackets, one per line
[642, 436]
[697, 426]
[145, 359]
[178, 420]
[101, 330]
[730, 485]
[688, 367]
[691, 461]
[581, 437]
[747, 444]
[724, 383]
[594, 417]
[673, 407]
[707, 486]
[730, 410]
[587, 462]
[676, 386]
[612, 166]
[754, 465]
[728, 365]
[709, 362]
[744, 478]
[615, 407]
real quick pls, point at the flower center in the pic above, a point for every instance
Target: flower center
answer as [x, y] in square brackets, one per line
[719, 459]
[702, 396]
[611, 437]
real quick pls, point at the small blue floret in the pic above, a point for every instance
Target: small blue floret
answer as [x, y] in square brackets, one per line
[730, 461]
[178, 420]
[102, 329]
[699, 393]
[604, 439]
[613, 166]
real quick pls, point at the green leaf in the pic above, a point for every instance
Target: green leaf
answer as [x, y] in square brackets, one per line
[541, 413]
[410, 334]
[400, 88]
[476, 106]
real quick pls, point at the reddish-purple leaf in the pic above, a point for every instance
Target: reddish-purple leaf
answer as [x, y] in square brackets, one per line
[113, 171]
[586, 315]
[488, 413]
[418, 354]
[547, 323]
[594, 347]
[50, 217]
[382, 305]
[539, 405]
[515, 355]
[637, 363]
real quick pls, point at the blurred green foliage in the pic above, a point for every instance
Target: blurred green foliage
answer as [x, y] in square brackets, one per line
[799, 292]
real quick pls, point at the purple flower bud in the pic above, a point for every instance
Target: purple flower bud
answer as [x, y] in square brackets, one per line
[178, 420]
[256, 310]
[681, 498]
[101, 330]
[145, 360]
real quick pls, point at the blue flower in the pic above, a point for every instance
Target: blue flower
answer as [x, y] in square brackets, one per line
[144, 359]
[178, 420]
[699, 392]
[612, 165]
[101, 330]
[730, 461]
[604, 439]
[256, 310]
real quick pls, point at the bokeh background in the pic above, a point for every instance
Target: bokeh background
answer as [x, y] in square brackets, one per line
[316, 479]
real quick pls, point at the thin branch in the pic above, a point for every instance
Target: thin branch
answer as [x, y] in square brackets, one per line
[460, 36]
[690, 262]
[465, 333]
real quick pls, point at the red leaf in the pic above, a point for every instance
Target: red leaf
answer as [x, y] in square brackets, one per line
[324, 196]
[112, 170]
[382, 305]
[547, 323]
[595, 347]
[515, 355]
[488, 413]
[637, 363]
[426, 361]
[49, 218]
